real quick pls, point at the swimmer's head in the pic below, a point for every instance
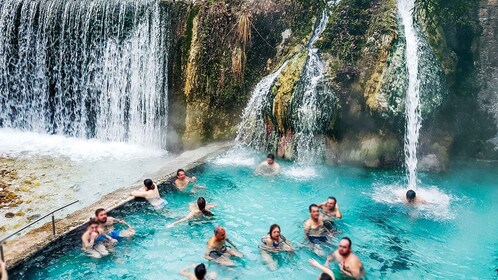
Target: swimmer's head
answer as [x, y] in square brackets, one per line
[101, 215]
[410, 196]
[149, 184]
[92, 225]
[200, 271]
[274, 231]
[180, 174]
[219, 233]
[331, 202]
[324, 276]
[345, 246]
[314, 212]
[201, 203]
[270, 158]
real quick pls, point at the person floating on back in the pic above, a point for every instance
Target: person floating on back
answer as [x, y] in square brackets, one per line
[315, 231]
[274, 242]
[93, 240]
[349, 264]
[151, 193]
[330, 211]
[268, 167]
[200, 209]
[200, 272]
[217, 250]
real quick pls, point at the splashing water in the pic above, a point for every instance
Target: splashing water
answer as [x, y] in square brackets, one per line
[413, 116]
[86, 69]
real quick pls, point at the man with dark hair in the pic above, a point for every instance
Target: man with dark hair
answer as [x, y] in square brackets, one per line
[183, 180]
[330, 211]
[106, 225]
[349, 264]
[314, 230]
[411, 198]
[200, 272]
[268, 167]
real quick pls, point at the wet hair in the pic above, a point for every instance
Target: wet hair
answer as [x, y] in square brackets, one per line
[325, 276]
[271, 156]
[312, 205]
[200, 271]
[98, 211]
[217, 228]
[149, 184]
[179, 170]
[92, 221]
[410, 195]
[349, 240]
[201, 203]
[332, 197]
[272, 227]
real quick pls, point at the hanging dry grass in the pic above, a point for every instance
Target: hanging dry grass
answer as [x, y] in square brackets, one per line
[238, 61]
[244, 29]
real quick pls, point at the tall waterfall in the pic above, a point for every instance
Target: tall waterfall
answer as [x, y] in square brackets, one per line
[310, 102]
[413, 116]
[87, 68]
[252, 129]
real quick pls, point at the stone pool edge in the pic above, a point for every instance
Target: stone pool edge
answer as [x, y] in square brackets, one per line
[17, 251]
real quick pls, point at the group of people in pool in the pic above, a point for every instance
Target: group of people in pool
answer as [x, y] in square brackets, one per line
[101, 236]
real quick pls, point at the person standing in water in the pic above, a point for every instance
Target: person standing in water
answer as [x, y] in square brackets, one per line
[151, 193]
[92, 241]
[216, 248]
[315, 231]
[273, 242]
[106, 225]
[201, 209]
[349, 264]
[182, 180]
[200, 272]
[268, 167]
[330, 211]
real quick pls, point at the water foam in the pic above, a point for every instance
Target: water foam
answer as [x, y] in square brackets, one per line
[237, 157]
[301, 173]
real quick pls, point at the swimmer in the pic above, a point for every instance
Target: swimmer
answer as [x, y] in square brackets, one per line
[315, 231]
[151, 193]
[217, 251]
[411, 198]
[268, 167]
[92, 241]
[106, 225]
[3, 271]
[274, 242]
[349, 264]
[200, 272]
[201, 209]
[327, 274]
[183, 180]
[330, 211]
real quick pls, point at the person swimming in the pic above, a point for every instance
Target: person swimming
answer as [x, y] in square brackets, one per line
[200, 272]
[201, 209]
[217, 251]
[273, 242]
[411, 198]
[151, 193]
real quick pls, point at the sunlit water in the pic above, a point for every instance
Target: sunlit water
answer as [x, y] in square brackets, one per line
[453, 237]
[62, 169]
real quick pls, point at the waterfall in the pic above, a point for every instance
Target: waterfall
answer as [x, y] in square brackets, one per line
[252, 129]
[412, 103]
[87, 69]
[311, 101]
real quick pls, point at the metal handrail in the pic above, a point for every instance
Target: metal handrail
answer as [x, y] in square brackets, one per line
[32, 223]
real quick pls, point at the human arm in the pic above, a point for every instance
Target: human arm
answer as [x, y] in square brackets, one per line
[307, 228]
[186, 218]
[123, 222]
[276, 169]
[89, 240]
[187, 274]
[230, 242]
[3, 271]
[330, 257]
[323, 268]
[288, 243]
[210, 206]
[140, 193]
[338, 213]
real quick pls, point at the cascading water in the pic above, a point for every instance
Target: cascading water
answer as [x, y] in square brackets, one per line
[412, 104]
[87, 69]
[311, 97]
[252, 129]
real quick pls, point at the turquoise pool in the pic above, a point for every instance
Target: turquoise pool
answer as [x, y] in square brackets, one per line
[455, 237]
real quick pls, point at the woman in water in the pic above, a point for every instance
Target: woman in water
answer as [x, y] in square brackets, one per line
[199, 210]
[200, 272]
[151, 193]
[273, 242]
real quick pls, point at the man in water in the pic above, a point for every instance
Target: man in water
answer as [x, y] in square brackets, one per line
[183, 180]
[268, 167]
[314, 230]
[349, 264]
[92, 240]
[330, 211]
[411, 198]
[217, 251]
[106, 225]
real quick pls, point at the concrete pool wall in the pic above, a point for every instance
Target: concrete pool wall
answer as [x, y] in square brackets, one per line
[16, 251]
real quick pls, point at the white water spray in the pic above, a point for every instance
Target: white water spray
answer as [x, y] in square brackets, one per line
[413, 116]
